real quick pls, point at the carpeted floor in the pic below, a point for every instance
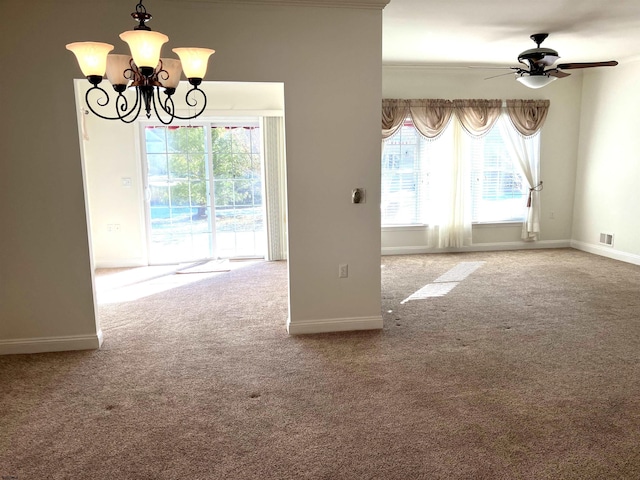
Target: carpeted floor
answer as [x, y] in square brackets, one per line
[528, 368]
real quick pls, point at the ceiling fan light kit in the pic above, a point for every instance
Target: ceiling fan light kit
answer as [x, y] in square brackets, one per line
[535, 81]
[144, 71]
[540, 61]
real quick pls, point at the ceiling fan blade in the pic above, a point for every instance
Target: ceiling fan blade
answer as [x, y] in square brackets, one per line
[557, 73]
[568, 66]
[489, 67]
[501, 75]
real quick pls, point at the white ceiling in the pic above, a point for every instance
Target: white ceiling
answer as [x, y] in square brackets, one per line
[494, 32]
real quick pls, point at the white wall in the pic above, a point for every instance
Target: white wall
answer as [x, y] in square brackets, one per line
[558, 148]
[329, 60]
[608, 175]
[107, 162]
[109, 155]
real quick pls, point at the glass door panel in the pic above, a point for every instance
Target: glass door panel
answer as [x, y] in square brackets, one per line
[237, 173]
[177, 179]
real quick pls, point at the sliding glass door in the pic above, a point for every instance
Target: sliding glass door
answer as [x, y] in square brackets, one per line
[204, 191]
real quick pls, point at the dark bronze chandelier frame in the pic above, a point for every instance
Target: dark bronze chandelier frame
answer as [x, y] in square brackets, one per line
[146, 82]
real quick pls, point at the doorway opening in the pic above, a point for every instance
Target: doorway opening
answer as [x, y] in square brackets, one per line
[214, 188]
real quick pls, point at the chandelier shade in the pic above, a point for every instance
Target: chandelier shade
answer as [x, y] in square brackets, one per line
[143, 71]
[194, 60]
[173, 68]
[91, 56]
[145, 46]
[117, 66]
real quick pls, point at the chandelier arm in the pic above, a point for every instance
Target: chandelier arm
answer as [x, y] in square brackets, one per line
[192, 103]
[136, 108]
[105, 102]
[167, 106]
[195, 101]
[155, 109]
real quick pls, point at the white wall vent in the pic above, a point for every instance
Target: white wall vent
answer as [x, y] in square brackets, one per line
[606, 239]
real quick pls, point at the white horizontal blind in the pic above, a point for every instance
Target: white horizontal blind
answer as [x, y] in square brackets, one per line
[498, 188]
[403, 176]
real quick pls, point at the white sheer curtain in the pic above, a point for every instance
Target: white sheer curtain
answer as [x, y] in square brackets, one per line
[527, 118]
[450, 192]
[449, 204]
[452, 216]
[526, 150]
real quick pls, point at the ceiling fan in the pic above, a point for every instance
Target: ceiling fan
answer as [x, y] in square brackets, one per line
[540, 60]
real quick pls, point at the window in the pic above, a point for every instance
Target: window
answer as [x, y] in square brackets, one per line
[404, 168]
[498, 188]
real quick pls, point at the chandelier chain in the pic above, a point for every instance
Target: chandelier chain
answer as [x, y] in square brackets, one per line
[141, 15]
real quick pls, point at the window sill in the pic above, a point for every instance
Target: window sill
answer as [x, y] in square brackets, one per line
[514, 223]
[404, 228]
[422, 227]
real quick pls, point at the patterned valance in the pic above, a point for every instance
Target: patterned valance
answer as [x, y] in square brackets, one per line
[528, 116]
[431, 116]
[393, 114]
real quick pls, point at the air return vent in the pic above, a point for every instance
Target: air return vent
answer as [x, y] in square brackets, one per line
[606, 239]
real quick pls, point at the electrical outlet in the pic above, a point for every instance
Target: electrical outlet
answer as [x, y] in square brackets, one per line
[343, 270]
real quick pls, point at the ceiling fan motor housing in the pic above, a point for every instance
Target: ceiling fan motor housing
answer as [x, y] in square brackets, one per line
[539, 57]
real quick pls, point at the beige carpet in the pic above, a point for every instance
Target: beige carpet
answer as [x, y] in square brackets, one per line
[528, 368]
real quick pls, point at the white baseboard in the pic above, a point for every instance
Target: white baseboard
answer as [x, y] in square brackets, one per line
[478, 247]
[51, 344]
[606, 252]
[334, 325]
[124, 263]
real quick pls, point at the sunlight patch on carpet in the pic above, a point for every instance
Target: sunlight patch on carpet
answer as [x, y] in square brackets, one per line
[445, 282]
[150, 287]
[459, 272]
[127, 285]
[431, 290]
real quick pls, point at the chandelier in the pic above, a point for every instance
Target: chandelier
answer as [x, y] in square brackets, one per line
[144, 71]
